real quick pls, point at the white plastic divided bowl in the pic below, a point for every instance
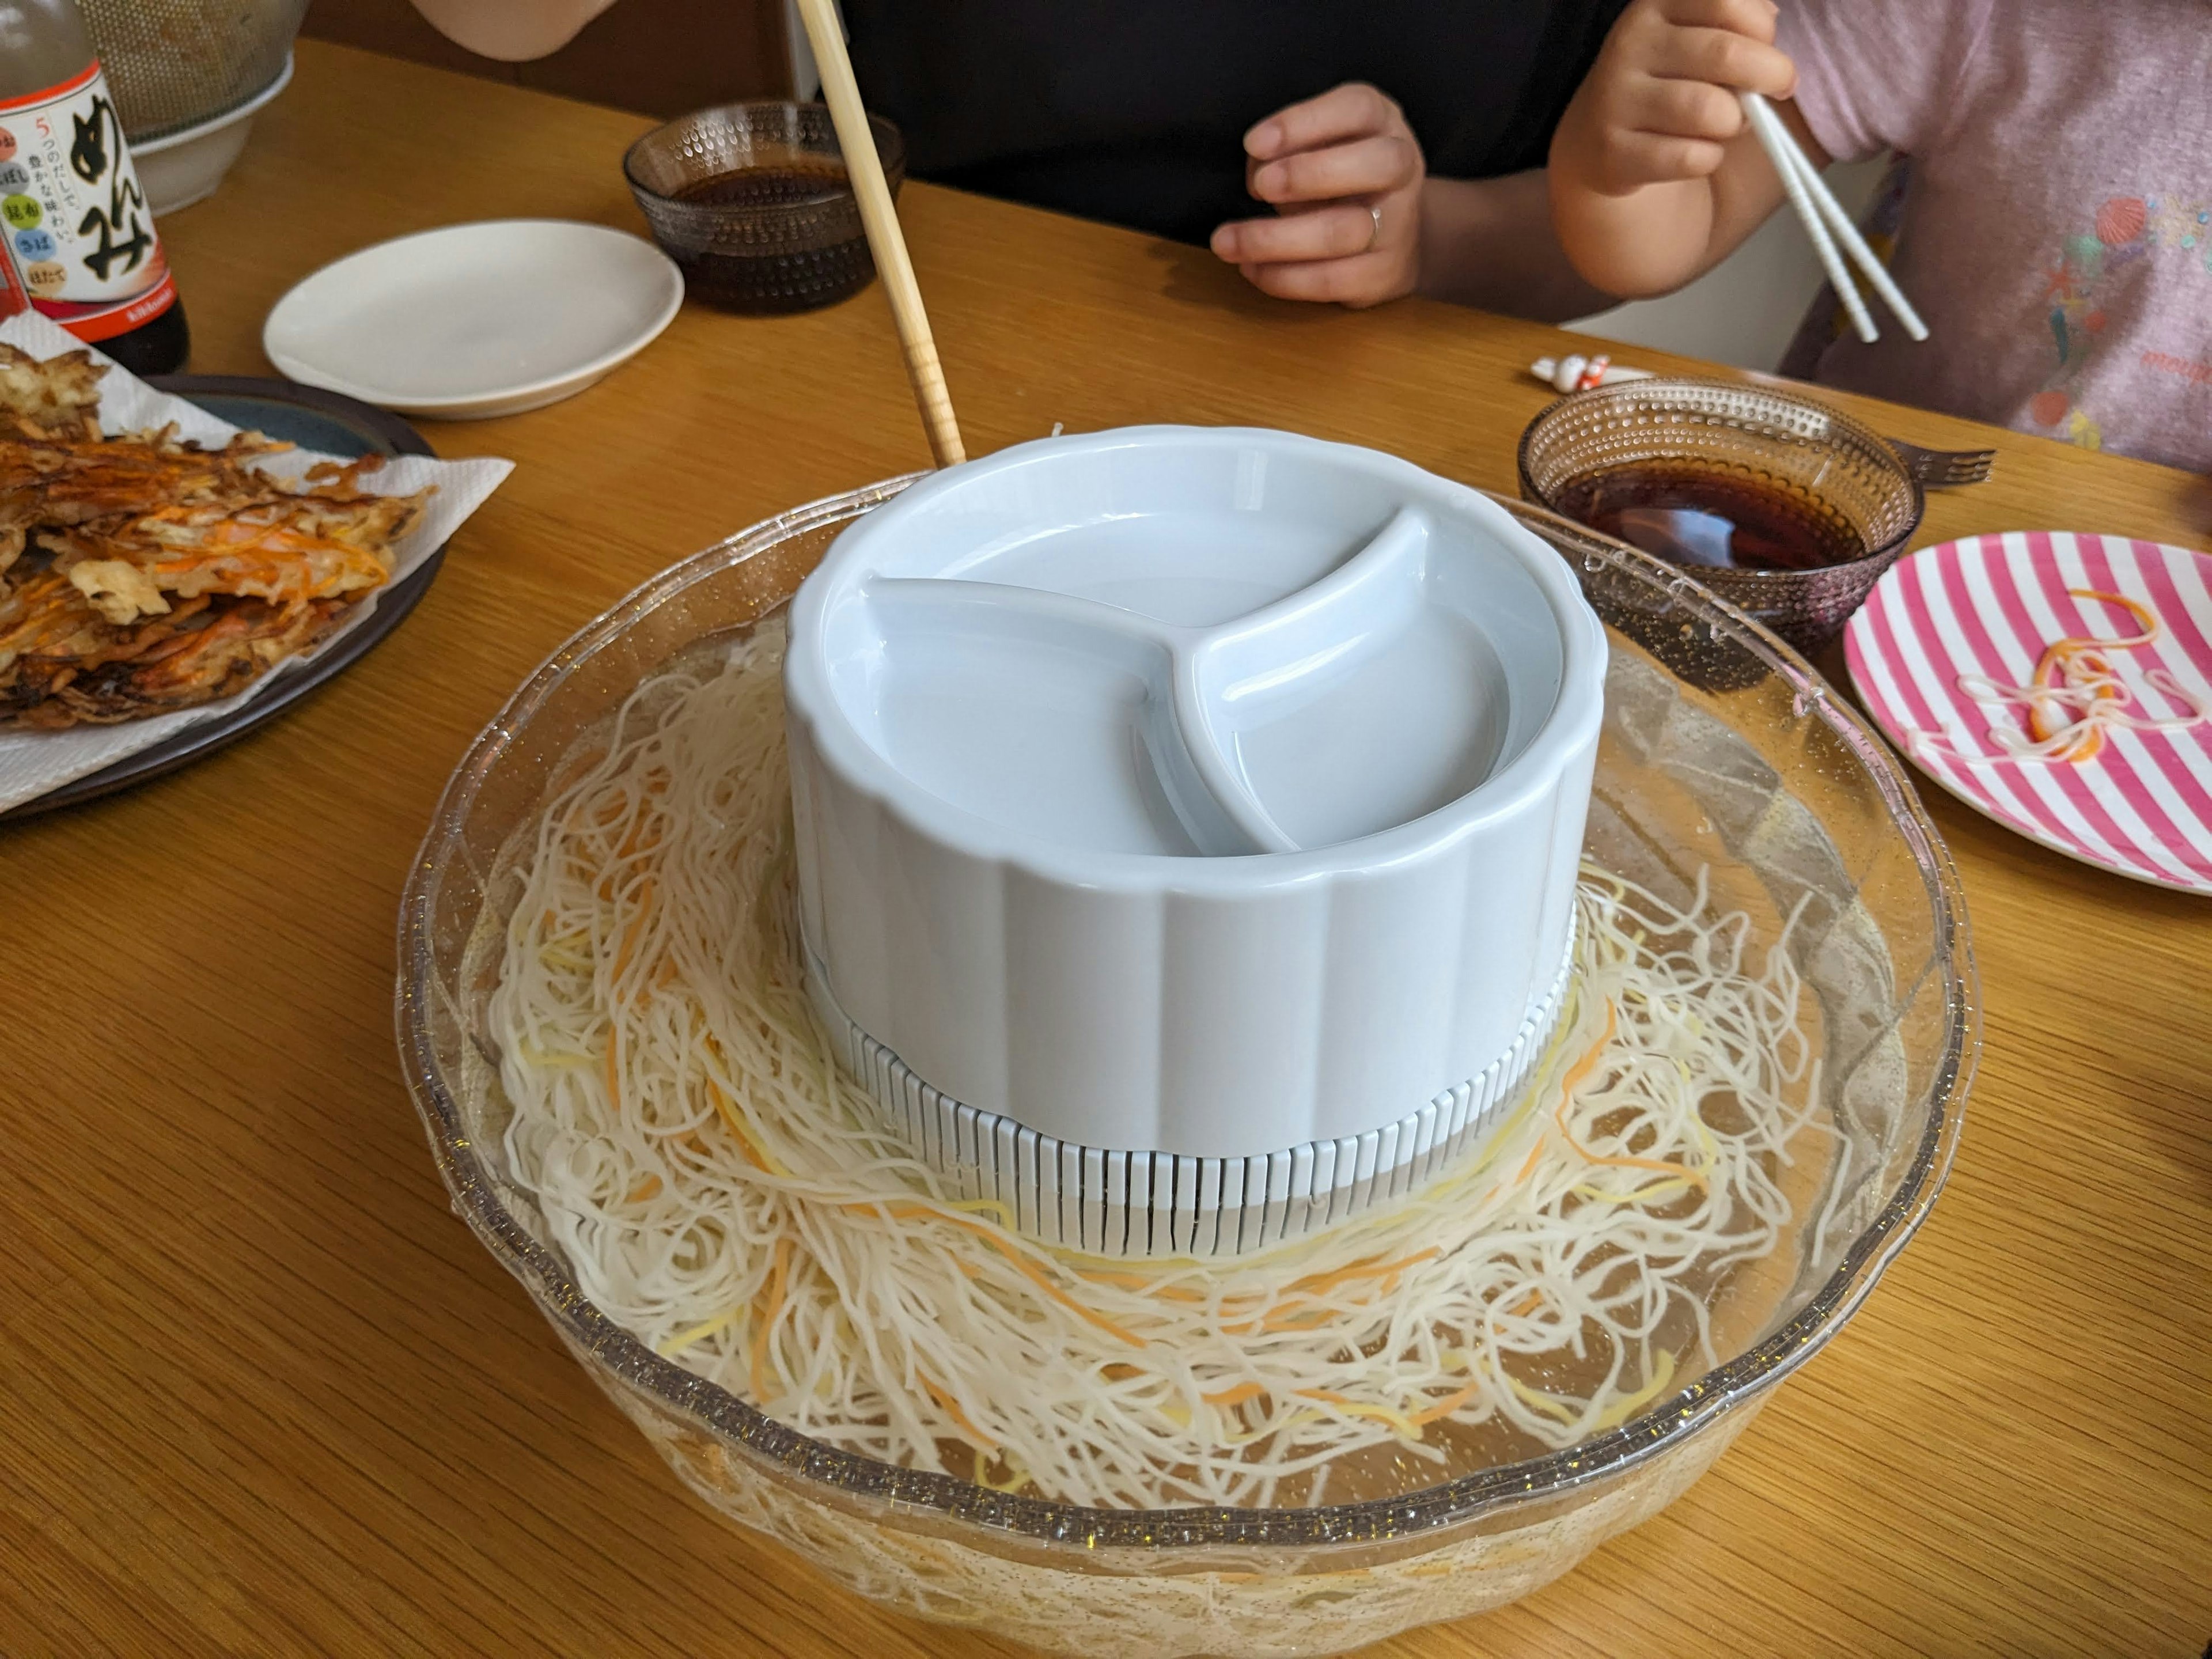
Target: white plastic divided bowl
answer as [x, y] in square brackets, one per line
[1187, 824]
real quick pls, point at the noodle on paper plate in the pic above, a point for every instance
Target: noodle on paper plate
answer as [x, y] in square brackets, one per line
[720, 1189]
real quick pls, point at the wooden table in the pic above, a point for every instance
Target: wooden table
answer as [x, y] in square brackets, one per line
[261, 1393]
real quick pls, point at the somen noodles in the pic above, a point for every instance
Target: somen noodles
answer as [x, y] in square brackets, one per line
[720, 1189]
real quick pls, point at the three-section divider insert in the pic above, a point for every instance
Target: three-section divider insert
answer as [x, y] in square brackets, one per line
[1204, 681]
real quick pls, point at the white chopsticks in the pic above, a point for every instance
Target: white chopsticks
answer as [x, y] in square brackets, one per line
[1822, 215]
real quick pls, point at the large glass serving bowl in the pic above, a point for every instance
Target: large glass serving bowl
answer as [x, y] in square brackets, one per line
[1769, 783]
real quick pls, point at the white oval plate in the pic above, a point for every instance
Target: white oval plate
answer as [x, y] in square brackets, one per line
[476, 320]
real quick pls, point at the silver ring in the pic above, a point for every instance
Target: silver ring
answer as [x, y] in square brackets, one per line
[1374, 236]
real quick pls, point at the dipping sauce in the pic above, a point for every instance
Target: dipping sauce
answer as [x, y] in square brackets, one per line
[1710, 520]
[807, 248]
[767, 186]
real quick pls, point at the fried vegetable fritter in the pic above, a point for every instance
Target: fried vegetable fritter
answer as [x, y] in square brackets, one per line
[142, 573]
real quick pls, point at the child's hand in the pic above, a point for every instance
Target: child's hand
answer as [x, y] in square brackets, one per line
[1660, 103]
[1652, 176]
[1344, 174]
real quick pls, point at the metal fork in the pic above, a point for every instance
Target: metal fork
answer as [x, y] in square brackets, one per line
[1945, 469]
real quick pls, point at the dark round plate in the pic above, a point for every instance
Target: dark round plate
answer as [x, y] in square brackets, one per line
[313, 419]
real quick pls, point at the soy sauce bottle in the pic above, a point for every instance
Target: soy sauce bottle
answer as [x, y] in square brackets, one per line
[80, 243]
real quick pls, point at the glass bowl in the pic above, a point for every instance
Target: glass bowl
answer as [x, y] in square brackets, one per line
[1830, 467]
[1776, 788]
[784, 234]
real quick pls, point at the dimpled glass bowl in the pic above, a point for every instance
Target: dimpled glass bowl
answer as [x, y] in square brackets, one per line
[1836, 469]
[1775, 787]
[789, 236]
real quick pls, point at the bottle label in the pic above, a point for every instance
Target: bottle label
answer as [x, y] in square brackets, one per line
[75, 224]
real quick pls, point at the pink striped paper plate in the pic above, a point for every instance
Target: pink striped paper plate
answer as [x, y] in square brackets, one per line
[1987, 605]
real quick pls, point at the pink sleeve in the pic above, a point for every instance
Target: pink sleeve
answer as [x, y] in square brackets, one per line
[1881, 75]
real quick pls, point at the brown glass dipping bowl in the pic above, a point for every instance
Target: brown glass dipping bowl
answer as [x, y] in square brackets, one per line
[790, 245]
[1839, 470]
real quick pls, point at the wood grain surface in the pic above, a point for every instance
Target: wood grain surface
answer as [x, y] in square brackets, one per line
[261, 1393]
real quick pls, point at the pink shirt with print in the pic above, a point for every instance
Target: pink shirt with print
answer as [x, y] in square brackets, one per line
[2057, 231]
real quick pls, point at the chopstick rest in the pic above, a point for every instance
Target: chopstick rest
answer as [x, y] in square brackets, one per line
[1575, 372]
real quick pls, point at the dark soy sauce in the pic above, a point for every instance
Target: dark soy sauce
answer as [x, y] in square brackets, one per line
[1710, 520]
[792, 271]
[766, 186]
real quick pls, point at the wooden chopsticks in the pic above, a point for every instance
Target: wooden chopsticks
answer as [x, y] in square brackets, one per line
[880, 218]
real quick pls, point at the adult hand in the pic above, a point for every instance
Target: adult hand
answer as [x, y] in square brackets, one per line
[1344, 174]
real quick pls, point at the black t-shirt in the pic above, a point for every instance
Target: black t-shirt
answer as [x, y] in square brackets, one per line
[1135, 111]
